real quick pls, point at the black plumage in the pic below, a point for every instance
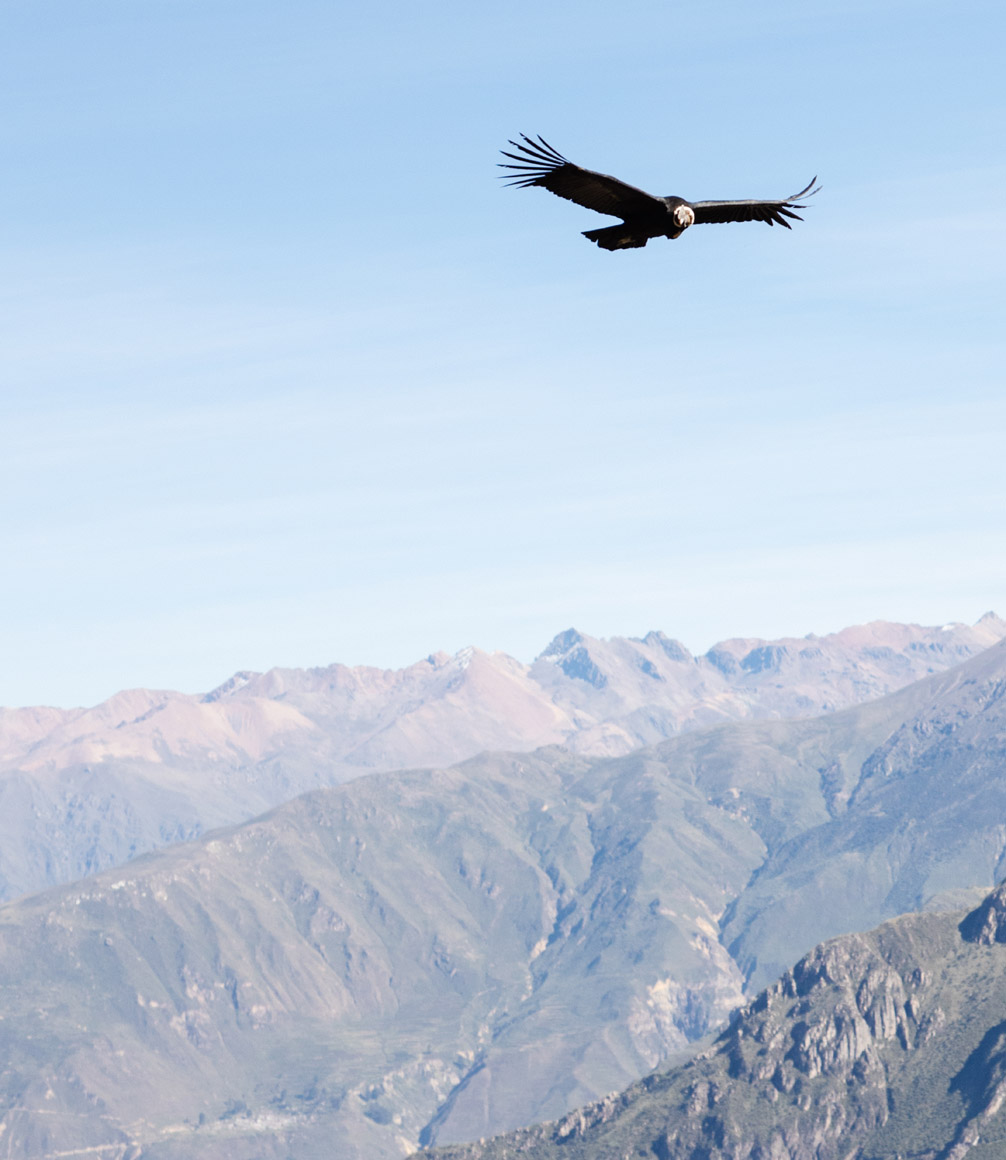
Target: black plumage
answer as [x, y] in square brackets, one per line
[643, 215]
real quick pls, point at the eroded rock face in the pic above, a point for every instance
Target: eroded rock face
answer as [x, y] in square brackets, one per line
[872, 1004]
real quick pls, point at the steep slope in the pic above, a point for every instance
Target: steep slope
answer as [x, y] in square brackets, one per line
[86, 789]
[878, 1046]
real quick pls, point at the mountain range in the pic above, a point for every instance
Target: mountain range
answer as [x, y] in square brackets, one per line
[444, 954]
[86, 789]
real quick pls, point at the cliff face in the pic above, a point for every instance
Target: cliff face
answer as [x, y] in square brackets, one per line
[882, 1046]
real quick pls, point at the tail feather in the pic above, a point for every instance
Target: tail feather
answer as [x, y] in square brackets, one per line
[616, 238]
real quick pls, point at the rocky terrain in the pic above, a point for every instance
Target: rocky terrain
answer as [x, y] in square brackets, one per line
[86, 789]
[441, 955]
[882, 1046]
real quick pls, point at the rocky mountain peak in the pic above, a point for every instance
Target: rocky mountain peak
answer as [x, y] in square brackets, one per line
[561, 644]
[673, 649]
[569, 651]
[231, 686]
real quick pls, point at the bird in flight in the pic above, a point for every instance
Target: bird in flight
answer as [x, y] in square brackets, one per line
[643, 215]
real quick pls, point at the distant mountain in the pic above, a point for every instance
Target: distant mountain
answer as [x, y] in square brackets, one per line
[86, 789]
[887, 1046]
[441, 955]
[624, 693]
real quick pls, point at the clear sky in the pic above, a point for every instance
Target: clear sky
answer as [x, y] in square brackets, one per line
[288, 378]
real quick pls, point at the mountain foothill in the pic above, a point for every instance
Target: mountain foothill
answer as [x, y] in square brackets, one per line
[479, 895]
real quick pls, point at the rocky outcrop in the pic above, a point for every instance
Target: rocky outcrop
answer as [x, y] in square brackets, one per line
[987, 923]
[885, 1046]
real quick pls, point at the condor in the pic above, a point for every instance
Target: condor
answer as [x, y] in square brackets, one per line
[643, 215]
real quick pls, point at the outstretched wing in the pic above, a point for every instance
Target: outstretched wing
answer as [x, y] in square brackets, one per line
[542, 165]
[773, 212]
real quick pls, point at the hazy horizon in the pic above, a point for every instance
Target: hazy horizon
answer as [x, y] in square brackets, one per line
[527, 658]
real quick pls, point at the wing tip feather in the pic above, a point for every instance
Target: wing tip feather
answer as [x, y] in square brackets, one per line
[536, 159]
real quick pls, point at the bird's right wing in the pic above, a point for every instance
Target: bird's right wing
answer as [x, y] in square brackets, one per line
[542, 165]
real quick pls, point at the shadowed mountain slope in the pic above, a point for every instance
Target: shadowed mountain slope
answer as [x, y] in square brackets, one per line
[882, 1046]
[85, 789]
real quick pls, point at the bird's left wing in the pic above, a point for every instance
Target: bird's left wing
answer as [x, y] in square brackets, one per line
[772, 212]
[542, 165]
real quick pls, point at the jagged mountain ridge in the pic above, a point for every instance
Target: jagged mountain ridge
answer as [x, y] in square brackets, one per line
[85, 789]
[440, 955]
[881, 1046]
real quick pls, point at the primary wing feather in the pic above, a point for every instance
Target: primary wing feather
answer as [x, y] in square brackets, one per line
[540, 164]
[753, 210]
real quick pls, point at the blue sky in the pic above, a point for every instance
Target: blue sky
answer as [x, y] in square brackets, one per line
[288, 377]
